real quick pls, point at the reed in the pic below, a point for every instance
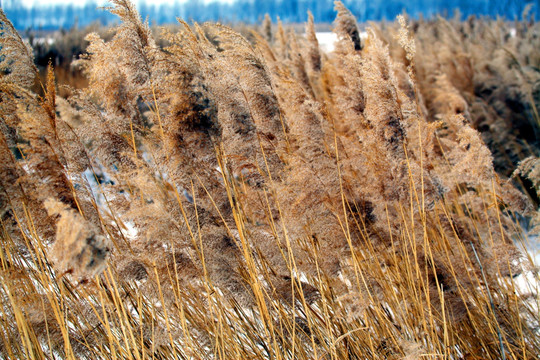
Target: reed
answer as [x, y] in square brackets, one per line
[226, 198]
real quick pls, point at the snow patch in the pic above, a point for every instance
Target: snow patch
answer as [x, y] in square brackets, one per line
[327, 40]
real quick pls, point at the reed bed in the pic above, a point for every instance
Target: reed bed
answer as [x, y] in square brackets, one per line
[226, 198]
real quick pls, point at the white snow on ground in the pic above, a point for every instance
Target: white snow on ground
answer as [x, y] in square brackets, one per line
[533, 247]
[327, 40]
[528, 240]
[130, 230]
[527, 284]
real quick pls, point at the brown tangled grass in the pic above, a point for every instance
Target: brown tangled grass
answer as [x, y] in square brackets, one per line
[224, 198]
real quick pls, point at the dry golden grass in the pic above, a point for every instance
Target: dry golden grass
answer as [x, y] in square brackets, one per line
[226, 199]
